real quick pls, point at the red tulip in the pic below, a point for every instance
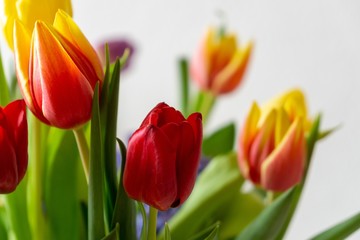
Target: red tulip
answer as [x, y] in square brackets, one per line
[57, 71]
[163, 157]
[13, 145]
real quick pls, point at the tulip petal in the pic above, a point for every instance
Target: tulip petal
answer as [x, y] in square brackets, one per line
[199, 69]
[8, 166]
[248, 132]
[66, 102]
[285, 165]
[162, 114]
[64, 24]
[282, 125]
[262, 146]
[7, 16]
[188, 156]
[147, 177]
[22, 41]
[16, 117]
[231, 75]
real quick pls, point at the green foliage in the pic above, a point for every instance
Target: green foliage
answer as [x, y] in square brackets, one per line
[219, 142]
[341, 230]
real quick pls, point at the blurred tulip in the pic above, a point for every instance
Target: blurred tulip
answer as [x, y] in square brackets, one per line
[219, 64]
[163, 158]
[272, 147]
[116, 49]
[28, 12]
[13, 145]
[57, 70]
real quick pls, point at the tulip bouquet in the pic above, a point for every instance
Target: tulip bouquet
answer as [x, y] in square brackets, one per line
[173, 180]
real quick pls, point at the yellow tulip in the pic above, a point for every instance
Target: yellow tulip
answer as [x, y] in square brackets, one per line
[28, 12]
[272, 147]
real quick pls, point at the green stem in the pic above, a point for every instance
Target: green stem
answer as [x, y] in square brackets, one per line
[83, 150]
[269, 198]
[152, 223]
[184, 77]
[206, 102]
[35, 192]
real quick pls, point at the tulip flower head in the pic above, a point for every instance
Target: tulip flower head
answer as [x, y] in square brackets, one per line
[13, 145]
[219, 64]
[57, 70]
[272, 149]
[163, 158]
[28, 12]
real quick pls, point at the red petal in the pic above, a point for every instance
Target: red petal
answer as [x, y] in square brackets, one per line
[8, 167]
[17, 125]
[150, 168]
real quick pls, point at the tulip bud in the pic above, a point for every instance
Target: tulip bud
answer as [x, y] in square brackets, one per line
[28, 12]
[272, 149]
[163, 157]
[219, 64]
[57, 71]
[13, 145]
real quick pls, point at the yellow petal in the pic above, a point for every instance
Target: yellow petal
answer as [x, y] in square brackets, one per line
[231, 75]
[67, 27]
[7, 16]
[282, 125]
[225, 49]
[22, 42]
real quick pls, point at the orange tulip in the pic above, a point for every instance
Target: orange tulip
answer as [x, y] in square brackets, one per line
[272, 147]
[57, 71]
[219, 64]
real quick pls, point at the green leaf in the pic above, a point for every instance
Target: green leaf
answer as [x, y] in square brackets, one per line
[114, 234]
[16, 210]
[124, 212]
[219, 142]
[61, 196]
[96, 214]
[141, 208]
[270, 222]
[341, 230]
[210, 233]
[215, 188]
[3, 222]
[327, 132]
[184, 77]
[167, 232]
[4, 88]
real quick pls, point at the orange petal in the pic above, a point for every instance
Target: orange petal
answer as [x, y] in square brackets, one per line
[247, 135]
[64, 24]
[50, 83]
[231, 75]
[285, 166]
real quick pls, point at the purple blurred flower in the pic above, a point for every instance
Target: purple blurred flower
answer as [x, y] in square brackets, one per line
[117, 47]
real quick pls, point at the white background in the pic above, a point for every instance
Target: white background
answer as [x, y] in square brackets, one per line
[314, 45]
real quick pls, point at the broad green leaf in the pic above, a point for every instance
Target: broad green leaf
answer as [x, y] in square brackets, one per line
[124, 211]
[114, 234]
[242, 210]
[341, 230]
[3, 222]
[61, 187]
[16, 211]
[219, 142]
[95, 210]
[215, 188]
[4, 88]
[270, 222]
[210, 233]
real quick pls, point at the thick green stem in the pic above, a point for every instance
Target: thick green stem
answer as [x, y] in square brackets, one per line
[35, 192]
[152, 223]
[83, 150]
[205, 103]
